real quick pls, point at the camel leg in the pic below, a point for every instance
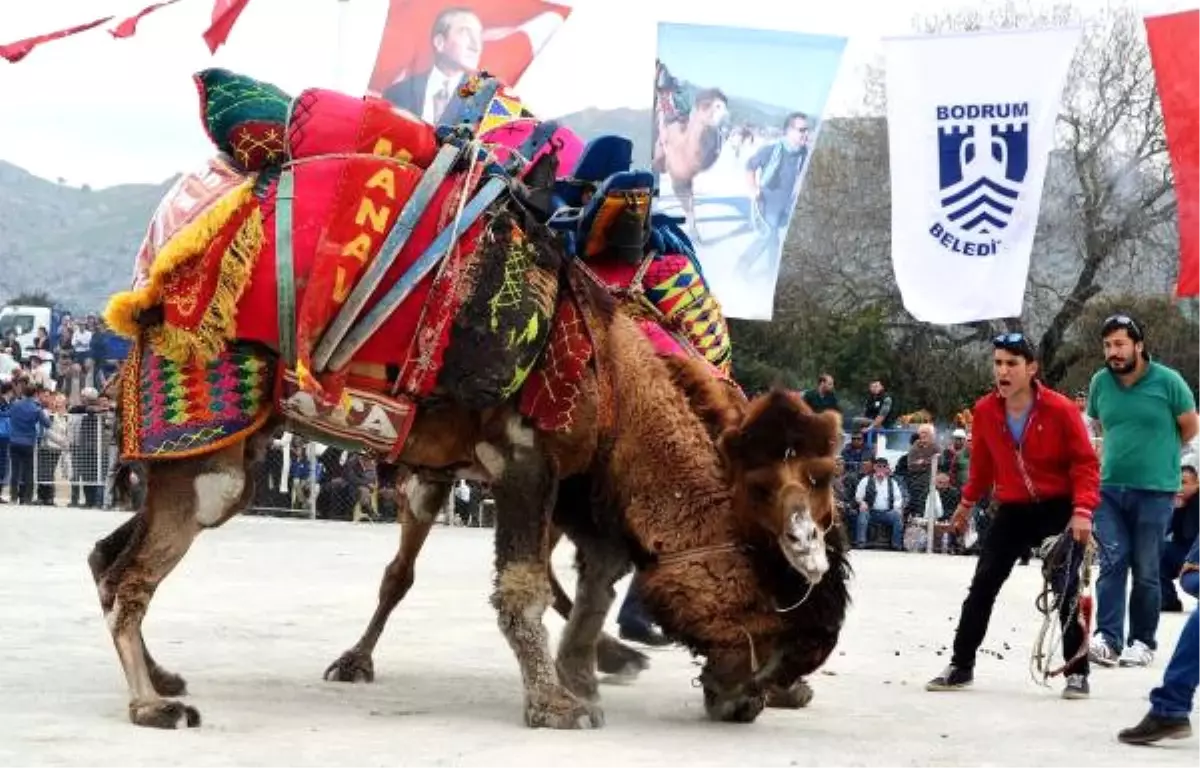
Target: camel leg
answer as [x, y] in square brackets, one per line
[425, 499]
[600, 565]
[524, 489]
[683, 189]
[183, 498]
[612, 656]
[103, 559]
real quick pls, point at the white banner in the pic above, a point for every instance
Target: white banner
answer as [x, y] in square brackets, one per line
[970, 128]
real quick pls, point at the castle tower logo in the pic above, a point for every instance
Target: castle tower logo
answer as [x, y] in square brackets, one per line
[983, 158]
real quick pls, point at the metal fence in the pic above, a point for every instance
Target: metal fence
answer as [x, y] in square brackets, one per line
[70, 464]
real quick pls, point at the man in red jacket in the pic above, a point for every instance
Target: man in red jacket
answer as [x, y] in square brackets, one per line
[1030, 447]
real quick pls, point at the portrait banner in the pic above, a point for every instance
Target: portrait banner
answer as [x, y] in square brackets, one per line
[736, 116]
[429, 45]
[971, 120]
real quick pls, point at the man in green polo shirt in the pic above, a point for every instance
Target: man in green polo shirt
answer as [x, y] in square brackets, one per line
[1145, 412]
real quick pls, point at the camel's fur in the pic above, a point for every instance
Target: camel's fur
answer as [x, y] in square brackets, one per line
[720, 406]
[654, 485]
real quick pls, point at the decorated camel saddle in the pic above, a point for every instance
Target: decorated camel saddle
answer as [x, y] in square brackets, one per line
[342, 261]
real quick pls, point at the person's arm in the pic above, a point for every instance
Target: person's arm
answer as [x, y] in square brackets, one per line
[898, 499]
[1183, 405]
[860, 493]
[981, 470]
[1093, 410]
[885, 408]
[1084, 464]
[753, 165]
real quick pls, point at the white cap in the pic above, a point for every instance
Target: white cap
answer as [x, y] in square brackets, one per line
[960, 432]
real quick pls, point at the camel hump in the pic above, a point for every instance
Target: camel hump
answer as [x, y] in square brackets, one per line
[718, 403]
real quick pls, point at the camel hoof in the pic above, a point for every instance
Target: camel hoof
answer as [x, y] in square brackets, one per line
[620, 661]
[167, 683]
[351, 667]
[165, 714]
[558, 708]
[797, 697]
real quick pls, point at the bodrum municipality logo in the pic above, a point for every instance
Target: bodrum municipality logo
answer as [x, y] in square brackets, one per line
[983, 157]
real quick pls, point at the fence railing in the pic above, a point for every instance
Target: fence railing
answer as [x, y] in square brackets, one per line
[70, 463]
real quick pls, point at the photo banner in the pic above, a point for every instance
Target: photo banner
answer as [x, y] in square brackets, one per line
[971, 120]
[736, 116]
[428, 45]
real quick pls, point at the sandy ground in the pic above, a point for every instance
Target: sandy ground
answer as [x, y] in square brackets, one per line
[258, 609]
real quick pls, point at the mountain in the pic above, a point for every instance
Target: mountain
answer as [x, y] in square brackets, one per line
[77, 244]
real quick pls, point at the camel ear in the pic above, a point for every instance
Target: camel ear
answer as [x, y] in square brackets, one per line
[729, 445]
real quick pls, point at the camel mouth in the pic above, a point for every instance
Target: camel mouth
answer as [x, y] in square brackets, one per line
[803, 545]
[733, 709]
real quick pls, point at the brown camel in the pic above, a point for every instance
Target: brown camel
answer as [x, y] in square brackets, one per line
[685, 149]
[719, 405]
[768, 540]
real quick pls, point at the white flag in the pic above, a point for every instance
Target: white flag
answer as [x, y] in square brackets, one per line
[970, 127]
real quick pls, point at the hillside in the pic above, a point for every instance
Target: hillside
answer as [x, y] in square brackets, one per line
[78, 244]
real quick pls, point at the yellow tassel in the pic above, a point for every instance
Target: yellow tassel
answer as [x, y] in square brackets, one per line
[219, 323]
[185, 245]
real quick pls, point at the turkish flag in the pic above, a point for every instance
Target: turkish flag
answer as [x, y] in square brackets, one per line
[224, 16]
[513, 33]
[14, 52]
[128, 27]
[1174, 52]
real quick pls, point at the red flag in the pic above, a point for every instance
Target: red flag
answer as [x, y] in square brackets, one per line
[1173, 50]
[14, 52]
[513, 33]
[224, 16]
[129, 26]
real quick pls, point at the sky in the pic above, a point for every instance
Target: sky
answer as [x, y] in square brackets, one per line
[95, 110]
[790, 70]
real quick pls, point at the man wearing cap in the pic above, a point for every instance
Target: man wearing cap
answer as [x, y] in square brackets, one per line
[1030, 448]
[1146, 413]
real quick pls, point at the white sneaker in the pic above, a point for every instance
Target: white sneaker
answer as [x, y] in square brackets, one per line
[1100, 652]
[1137, 654]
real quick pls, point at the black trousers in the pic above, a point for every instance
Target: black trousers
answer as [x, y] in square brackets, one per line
[1015, 528]
[21, 473]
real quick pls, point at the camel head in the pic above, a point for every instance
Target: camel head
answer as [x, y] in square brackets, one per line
[781, 461]
[711, 109]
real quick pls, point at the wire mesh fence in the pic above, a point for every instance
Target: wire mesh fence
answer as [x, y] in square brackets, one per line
[73, 462]
[70, 463]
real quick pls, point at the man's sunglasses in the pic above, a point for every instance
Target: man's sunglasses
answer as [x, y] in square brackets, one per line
[1015, 342]
[1123, 321]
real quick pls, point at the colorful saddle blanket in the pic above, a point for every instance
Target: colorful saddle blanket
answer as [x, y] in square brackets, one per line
[174, 410]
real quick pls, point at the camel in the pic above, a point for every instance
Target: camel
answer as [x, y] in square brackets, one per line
[683, 149]
[680, 535]
[731, 568]
[720, 407]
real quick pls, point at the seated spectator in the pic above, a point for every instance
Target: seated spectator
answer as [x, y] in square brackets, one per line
[879, 500]
[1180, 537]
[855, 452]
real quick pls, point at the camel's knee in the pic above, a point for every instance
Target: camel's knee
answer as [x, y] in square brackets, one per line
[522, 592]
[218, 495]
